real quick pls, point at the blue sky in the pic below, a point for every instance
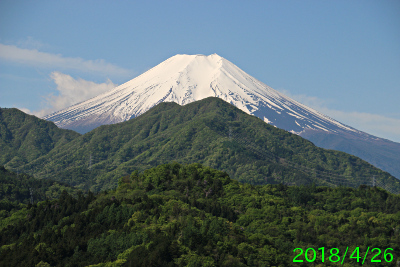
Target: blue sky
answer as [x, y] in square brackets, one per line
[340, 57]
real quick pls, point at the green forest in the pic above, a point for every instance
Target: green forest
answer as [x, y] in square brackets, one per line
[193, 215]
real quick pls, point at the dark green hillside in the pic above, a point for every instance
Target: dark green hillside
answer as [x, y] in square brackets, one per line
[15, 190]
[24, 138]
[211, 132]
[175, 215]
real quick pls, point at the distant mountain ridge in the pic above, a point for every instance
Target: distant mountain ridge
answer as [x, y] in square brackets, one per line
[187, 78]
[382, 153]
[210, 132]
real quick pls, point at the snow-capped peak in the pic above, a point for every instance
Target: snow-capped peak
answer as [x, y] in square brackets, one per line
[187, 78]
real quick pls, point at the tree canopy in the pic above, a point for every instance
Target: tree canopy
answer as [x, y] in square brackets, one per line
[193, 215]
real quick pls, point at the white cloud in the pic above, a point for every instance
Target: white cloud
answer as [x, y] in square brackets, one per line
[36, 58]
[71, 91]
[375, 124]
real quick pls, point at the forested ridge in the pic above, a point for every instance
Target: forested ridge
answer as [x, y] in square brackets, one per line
[24, 137]
[193, 215]
[211, 132]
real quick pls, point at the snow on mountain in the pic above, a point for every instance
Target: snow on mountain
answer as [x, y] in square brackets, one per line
[187, 78]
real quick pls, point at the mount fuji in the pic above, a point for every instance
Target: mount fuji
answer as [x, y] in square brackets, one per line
[187, 78]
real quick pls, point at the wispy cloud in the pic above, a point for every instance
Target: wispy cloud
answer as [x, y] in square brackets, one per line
[33, 57]
[375, 124]
[31, 43]
[71, 91]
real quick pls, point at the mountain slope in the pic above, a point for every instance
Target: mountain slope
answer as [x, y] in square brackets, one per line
[24, 138]
[382, 153]
[186, 78]
[211, 132]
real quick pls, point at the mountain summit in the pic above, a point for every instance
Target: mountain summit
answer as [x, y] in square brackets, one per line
[187, 78]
